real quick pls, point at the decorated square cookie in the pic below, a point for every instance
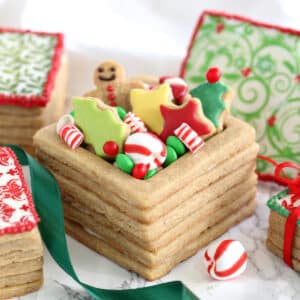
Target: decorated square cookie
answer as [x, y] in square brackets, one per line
[21, 251]
[17, 213]
[28, 68]
[261, 62]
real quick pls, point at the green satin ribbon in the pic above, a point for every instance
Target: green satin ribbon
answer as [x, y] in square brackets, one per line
[47, 198]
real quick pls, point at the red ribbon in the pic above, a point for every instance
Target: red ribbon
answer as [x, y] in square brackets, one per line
[291, 222]
[292, 183]
[289, 234]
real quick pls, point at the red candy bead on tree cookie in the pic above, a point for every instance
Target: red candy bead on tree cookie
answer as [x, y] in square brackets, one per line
[213, 75]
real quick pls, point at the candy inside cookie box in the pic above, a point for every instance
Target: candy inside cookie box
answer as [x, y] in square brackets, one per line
[143, 125]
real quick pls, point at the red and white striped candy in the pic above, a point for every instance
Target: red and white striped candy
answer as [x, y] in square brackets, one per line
[225, 260]
[178, 86]
[71, 135]
[135, 123]
[189, 137]
[64, 120]
[146, 148]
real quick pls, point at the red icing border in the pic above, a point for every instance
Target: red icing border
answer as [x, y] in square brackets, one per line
[41, 100]
[28, 226]
[263, 177]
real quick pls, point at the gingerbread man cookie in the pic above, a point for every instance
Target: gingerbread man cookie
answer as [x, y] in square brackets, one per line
[215, 98]
[112, 87]
[100, 124]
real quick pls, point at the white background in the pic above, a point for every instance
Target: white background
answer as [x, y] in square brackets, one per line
[146, 36]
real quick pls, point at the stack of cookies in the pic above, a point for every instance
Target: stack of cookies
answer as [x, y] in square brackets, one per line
[284, 233]
[149, 226]
[32, 84]
[21, 263]
[21, 250]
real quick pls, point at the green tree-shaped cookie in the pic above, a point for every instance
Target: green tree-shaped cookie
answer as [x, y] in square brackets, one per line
[99, 123]
[210, 95]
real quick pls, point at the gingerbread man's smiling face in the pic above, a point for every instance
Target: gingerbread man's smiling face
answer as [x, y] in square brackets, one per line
[109, 72]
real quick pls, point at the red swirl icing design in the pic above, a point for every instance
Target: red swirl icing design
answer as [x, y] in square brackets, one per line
[17, 212]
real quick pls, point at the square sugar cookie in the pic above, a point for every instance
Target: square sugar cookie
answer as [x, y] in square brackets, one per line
[32, 83]
[261, 62]
[21, 250]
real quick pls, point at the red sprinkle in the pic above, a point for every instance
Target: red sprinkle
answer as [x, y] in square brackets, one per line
[140, 170]
[111, 148]
[246, 72]
[213, 75]
[220, 27]
[271, 121]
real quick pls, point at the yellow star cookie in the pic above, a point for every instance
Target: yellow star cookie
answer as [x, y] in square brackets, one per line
[146, 105]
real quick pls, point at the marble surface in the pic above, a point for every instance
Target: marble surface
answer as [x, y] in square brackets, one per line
[266, 276]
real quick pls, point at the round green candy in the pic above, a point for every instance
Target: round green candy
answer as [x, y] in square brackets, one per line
[150, 173]
[171, 156]
[124, 163]
[176, 144]
[121, 112]
[72, 113]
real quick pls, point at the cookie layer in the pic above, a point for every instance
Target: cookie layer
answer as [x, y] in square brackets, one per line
[76, 231]
[184, 233]
[20, 290]
[15, 280]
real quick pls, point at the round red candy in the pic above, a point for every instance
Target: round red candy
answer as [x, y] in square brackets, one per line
[111, 148]
[213, 75]
[140, 170]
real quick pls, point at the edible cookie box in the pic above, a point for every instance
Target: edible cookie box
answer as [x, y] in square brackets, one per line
[21, 250]
[150, 178]
[32, 83]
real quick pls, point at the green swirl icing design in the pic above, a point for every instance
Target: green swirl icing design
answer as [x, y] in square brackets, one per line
[25, 60]
[262, 65]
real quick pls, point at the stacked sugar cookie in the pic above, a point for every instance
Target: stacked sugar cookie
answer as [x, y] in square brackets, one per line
[21, 251]
[150, 225]
[32, 84]
[284, 233]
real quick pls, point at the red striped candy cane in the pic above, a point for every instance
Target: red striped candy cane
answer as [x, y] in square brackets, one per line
[189, 137]
[135, 123]
[71, 135]
[64, 120]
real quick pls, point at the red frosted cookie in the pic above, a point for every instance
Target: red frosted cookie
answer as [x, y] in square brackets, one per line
[190, 113]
